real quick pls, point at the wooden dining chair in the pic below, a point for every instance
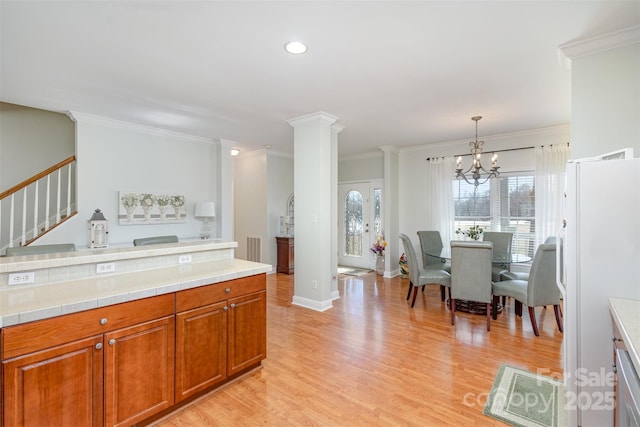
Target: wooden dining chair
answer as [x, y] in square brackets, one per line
[471, 275]
[419, 277]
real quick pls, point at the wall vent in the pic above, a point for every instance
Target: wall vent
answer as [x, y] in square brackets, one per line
[254, 248]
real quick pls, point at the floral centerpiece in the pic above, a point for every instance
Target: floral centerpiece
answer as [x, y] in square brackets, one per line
[378, 247]
[474, 232]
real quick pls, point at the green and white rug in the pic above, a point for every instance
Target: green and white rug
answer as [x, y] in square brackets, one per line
[523, 398]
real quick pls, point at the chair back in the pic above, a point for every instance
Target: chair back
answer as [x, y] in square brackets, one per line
[41, 249]
[542, 288]
[430, 243]
[157, 240]
[502, 242]
[412, 261]
[471, 270]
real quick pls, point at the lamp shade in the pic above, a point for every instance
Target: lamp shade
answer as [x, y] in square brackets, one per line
[205, 210]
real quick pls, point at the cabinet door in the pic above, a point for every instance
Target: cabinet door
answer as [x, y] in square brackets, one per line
[247, 331]
[201, 349]
[138, 371]
[57, 386]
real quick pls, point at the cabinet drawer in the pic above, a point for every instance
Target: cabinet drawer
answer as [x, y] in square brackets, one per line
[210, 294]
[29, 337]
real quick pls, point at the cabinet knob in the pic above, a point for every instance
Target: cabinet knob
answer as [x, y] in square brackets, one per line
[112, 341]
[225, 308]
[233, 306]
[228, 290]
[98, 346]
[103, 321]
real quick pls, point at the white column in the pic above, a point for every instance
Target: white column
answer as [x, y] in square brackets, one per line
[315, 191]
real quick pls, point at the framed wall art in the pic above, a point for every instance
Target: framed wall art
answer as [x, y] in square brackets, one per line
[136, 208]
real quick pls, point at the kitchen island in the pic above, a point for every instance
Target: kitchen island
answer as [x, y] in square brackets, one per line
[157, 327]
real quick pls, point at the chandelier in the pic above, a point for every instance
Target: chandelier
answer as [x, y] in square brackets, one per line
[477, 174]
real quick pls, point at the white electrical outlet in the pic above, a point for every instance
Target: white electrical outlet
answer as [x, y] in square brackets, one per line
[22, 278]
[184, 259]
[105, 267]
[315, 284]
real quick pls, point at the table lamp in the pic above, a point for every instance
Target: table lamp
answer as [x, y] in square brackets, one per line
[205, 211]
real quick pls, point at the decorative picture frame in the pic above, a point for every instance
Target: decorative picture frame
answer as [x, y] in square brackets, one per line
[139, 208]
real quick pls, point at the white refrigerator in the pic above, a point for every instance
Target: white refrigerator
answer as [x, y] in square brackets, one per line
[602, 260]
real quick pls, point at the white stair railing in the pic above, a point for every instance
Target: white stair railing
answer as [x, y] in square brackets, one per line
[25, 213]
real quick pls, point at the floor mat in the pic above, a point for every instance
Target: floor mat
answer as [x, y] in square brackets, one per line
[353, 271]
[523, 398]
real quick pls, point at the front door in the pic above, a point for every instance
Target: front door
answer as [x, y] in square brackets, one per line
[356, 232]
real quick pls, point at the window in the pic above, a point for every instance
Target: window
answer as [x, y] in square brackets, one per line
[377, 211]
[506, 203]
[353, 224]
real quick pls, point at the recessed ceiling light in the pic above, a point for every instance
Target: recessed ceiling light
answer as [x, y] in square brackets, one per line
[295, 47]
[235, 152]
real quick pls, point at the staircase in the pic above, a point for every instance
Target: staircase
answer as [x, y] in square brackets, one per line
[38, 205]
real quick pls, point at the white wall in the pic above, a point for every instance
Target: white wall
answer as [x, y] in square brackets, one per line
[606, 101]
[361, 168]
[250, 199]
[31, 140]
[413, 168]
[280, 187]
[114, 156]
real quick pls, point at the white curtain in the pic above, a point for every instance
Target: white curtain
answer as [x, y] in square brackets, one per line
[440, 209]
[551, 167]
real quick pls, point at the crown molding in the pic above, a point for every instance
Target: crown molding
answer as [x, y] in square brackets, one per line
[320, 115]
[588, 46]
[547, 131]
[118, 124]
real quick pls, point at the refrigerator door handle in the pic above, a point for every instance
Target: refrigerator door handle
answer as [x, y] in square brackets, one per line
[560, 265]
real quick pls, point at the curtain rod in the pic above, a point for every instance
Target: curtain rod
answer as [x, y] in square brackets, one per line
[496, 151]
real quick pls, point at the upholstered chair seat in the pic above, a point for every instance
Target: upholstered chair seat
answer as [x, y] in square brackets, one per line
[471, 274]
[419, 276]
[430, 244]
[539, 290]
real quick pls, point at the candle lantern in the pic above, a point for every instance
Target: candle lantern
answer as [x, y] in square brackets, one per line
[98, 230]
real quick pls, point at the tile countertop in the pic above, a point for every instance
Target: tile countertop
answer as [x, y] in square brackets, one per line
[626, 314]
[36, 302]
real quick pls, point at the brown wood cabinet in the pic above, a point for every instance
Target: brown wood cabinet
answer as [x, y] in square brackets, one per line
[122, 364]
[63, 383]
[247, 331]
[201, 349]
[286, 251]
[221, 331]
[138, 371]
[46, 382]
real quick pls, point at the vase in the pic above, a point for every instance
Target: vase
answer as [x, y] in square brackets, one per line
[163, 213]
[380, 265]
[147, 213]
[177, 210]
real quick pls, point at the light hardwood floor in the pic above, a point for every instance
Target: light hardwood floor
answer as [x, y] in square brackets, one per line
[372, 360]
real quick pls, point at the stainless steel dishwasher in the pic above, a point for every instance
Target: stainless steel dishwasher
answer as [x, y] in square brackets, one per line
[628, 391]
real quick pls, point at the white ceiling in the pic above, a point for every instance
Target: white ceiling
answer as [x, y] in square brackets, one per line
[393, 72]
